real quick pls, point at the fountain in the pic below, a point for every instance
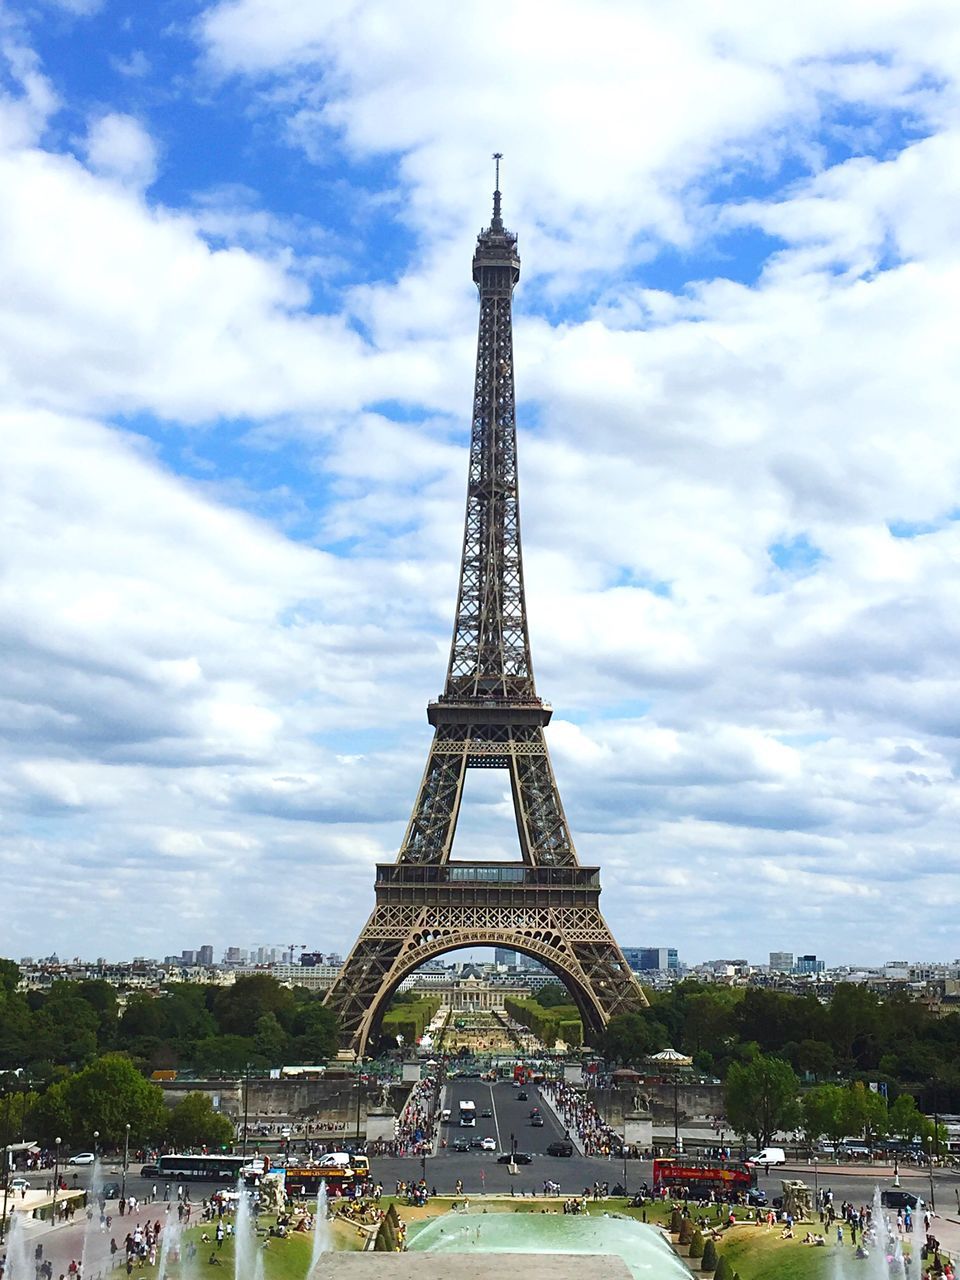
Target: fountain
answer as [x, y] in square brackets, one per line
[247, 1262]
[19, 1266]
[322, 1241]
[170, 1246]
[641, 1247]
[91, 1230]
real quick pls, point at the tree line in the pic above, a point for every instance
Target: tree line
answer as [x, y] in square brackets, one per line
[857, 1034]
[188, 1026]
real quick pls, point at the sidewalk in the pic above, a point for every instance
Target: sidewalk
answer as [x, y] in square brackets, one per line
[574, 1136]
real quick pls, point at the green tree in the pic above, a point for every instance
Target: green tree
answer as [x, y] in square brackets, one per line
[631, 1037]
[194, 1123]
[551, 996]
[315, 1029]
[761, 1097]
[821, 1109]
[904, 1118]
[224, 1054]
[815, 1056]
[105, 1097]
[239, 1008]
[270, 1041]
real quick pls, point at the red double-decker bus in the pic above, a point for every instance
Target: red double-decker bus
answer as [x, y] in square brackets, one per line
[702, 1174]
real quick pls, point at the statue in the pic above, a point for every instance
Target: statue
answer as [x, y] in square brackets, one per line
[797, 1201]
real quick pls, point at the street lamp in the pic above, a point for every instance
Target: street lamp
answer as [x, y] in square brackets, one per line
[6, 1171]
[56, 1180]
[96, 1145]
[933, 1203]
[816, 1179]
[126, 1157]
[896, 1168]
[359, 1073]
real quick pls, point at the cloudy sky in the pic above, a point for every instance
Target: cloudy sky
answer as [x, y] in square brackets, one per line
[237, 334]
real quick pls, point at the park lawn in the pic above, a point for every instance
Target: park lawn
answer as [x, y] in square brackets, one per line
[758, 1254]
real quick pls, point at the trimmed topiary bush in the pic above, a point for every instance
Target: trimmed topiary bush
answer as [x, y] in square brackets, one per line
[675, 1221]
[686, 1231]
[696, 1244]
[724, 1270]
[709, 1260]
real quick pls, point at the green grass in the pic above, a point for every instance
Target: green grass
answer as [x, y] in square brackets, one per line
[759, 1254]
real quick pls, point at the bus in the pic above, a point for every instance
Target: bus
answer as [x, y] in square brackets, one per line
[340, 1179]
[702, 1174]
[209, 1168]
[468, 1115]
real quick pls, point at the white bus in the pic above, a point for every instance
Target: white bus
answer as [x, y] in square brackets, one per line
[468, 1115]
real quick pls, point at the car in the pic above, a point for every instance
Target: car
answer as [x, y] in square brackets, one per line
[489, 1144]
[769, 1155]
[486, 1114]
[537, 1121]
[523, 1096]
[757, 1196]
[150, 1171]
[895, 1198]
[515, 1083]
[561, 1148]
[476, 1144]
[19, 1184]
[110, 1190]
[460, 1144]
[82, 1157]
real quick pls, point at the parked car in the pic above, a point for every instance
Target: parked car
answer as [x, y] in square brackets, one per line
[561, 1148]
[757, 1196]
[489, 1144]
[519, 1157]
[150, 1171]
[19, 1184]
[82, 1157]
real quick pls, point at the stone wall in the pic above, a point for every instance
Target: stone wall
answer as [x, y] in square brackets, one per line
[694, 1101]
[274, 1100]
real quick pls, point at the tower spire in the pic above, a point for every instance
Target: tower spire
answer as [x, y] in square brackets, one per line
[497, 223]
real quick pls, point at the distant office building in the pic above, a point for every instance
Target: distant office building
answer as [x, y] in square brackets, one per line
[188, 958]
[503, 957]
[809, 964]
[645, 959]
[232, 955]
[205, 956]
[781, 961]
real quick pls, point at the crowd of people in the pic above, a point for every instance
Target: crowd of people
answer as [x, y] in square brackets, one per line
[580, 1116]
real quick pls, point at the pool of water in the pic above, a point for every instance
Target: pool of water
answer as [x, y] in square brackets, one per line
[642, 1247]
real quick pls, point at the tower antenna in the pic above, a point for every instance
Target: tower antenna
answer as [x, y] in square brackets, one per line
[497, 223]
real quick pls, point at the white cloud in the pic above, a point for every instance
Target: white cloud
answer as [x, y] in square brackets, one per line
[118, 146]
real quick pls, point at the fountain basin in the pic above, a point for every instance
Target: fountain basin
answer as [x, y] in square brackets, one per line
[642, 1248]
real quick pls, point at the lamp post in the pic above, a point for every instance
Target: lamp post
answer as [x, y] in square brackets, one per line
[246, 1103]
[896, 1168]
[6, 1172]
[96, 1145]
[56, 1180]
[933, 1202]
[126, 1159]
[816, 1179]
[359, 1073]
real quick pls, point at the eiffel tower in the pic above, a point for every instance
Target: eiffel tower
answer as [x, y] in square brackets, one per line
[488, 717]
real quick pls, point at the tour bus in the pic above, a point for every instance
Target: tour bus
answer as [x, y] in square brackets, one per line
[209, 1168]
[468, 1115]
[702, 1174]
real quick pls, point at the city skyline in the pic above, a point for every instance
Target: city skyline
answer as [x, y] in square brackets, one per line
[235, 399]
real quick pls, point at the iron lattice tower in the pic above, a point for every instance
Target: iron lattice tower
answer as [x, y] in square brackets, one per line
[488, 717]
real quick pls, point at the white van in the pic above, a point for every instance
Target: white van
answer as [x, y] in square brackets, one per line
[769, 1155]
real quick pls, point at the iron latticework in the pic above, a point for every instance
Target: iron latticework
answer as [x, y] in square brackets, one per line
[488, 717]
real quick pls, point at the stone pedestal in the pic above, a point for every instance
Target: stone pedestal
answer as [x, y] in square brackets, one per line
[573, 1074]
[381, 1126]
[411, 1072]
[638, 1129]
